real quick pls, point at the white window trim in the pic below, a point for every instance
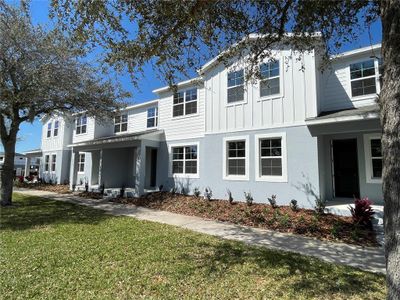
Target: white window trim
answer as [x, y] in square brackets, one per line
[155, 117]
[376, 75]
[79, 163]
[47, 163]
[284, 177]
[183, 175]
[58, 128]
[281, 81]
[184, 105]
[120, 124]
[76, 126]
[245, 88]
[368, 157]
[224, 158]
[51, 163]
[49, 130]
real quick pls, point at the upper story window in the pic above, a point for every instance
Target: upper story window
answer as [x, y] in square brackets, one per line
[81, 124]
[185, 103]
[121, 123]
[235, 86]
[152, 117]
[49, 129]
[269, 84]
[184, 160]
[56, 125]
[362, 78]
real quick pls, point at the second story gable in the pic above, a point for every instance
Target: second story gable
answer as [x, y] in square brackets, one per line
[56, 133]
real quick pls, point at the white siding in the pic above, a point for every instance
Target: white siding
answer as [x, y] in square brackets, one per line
[60, 141]
[184, 127]
[296, 102]
[89, 135]
[336, 88]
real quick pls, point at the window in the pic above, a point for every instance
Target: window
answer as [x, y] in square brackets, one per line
[380, 69]
[49, 129]
[46, 162]
[362, 77]
[1, 158]
[235, 86]
[184, 160]
[271, 157]
[81, 124]
[236, 154]
[269, 84]
[373, 157]
[152, 117]
[185, 103]
[121, 123]
[81, 163]
[53, 162]
[56, 124]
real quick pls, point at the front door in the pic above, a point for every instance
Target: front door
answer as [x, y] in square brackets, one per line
[153, 168]
[345, 167]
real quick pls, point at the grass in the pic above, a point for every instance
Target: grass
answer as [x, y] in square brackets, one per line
[58, 250]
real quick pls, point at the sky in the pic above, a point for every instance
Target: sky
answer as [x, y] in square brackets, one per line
[30, 134]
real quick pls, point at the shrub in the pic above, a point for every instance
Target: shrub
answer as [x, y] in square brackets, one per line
[173, 190]
[272, 201]
[183, 191]
[320, 205]
[161, 187]
[208, 193]
[196, 192]
[362, 212]
[230, 198]
[249, 198]
[284, 220]
[293, 205]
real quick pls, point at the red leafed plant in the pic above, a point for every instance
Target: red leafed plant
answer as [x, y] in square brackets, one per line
[362, 212]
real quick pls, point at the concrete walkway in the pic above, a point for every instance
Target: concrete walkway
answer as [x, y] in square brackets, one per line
[366, 258]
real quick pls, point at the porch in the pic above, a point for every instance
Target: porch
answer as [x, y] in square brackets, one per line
[32, 162]
[124, 162]
[349, 156]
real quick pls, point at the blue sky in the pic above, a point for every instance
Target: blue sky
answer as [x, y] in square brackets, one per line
[29, 137]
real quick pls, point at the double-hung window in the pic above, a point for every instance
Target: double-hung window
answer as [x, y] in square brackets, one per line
[235, 86]
[269, 83]
[236, 154]
[184, 160]
[53, 162]
[81, 162]
[81, 124]
[46, 163]
[271, 157]
[56, 125]
[152, 117]
[49, 129]
[363, 79]
[121, 123]
[185, 103]
[373, 156]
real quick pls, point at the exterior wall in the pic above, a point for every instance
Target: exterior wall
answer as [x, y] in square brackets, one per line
[118, 166]
[61, 173]
[302, 168]
[182, 127]
[89, 135]
[296, 102]
[59, 142]
[335, 84]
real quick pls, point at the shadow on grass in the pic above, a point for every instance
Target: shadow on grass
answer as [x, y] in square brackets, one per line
[29, 212]
[292, 271]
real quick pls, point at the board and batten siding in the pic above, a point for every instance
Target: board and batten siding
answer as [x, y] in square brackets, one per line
[335, 85]
[295, 103]
[182, 127]
[59, 142]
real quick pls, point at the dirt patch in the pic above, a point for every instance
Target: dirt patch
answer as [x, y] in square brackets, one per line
[56, 188]
[283, 218]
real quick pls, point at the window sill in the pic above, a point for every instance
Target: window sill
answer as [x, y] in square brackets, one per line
[374, 180]
[185, 116]
[272, 97]
[364, 97]
[282, 179]
[236, 103]
[194, 176]
[236, 178]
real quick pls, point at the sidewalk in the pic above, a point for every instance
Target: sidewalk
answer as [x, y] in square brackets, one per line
[366, 258]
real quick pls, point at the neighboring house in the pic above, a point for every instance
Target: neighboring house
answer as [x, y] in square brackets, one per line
[297, 133]
[19, 163]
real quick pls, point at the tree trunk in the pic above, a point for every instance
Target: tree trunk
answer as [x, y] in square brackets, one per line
[7, 174]
[390, 119]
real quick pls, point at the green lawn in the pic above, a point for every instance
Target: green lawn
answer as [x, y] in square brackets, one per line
[57, 250]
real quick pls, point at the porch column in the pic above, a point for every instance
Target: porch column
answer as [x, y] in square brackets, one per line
[73, 168]
[27, 166]
[100, 166]
[140, 165]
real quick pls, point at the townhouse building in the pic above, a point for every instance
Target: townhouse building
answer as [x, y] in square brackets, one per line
[299, 132]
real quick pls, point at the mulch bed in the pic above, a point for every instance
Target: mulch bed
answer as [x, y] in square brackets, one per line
[91, 195]
[56, 188]
[283, 218]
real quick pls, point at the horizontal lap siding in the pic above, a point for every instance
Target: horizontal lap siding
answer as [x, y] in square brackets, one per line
[89, 135]
[190, 126]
